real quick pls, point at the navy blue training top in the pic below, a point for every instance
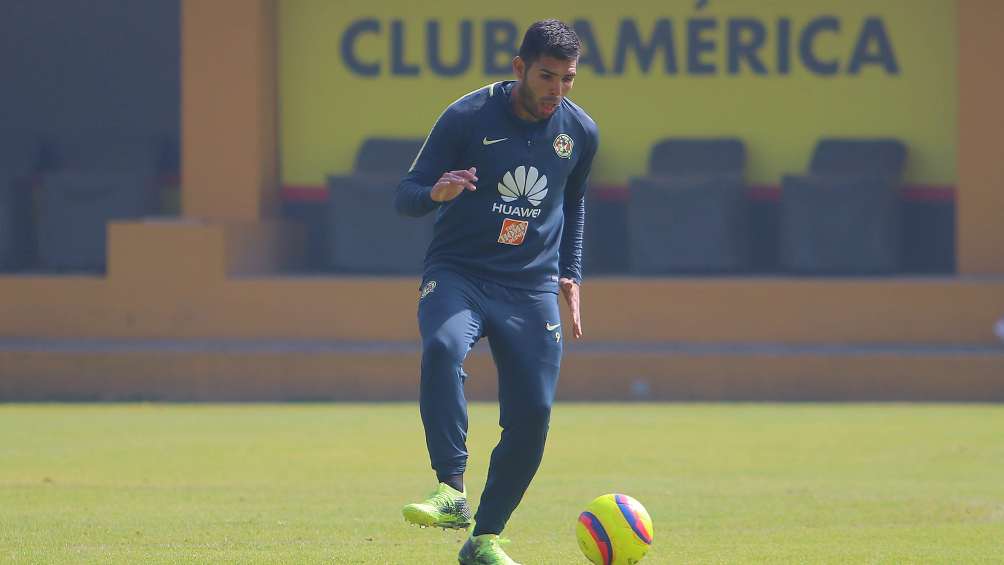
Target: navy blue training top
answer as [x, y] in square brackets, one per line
[523, 226]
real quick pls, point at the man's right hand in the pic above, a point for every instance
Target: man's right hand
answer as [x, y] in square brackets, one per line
[452, 183]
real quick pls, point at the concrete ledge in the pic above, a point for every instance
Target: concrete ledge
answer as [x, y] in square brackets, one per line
[789, 310]
[146, 254]
[387, 371]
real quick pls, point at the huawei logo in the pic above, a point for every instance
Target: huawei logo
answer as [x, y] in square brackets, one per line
[524, 182]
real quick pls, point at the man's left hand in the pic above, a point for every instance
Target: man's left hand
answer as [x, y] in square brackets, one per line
[570, 289]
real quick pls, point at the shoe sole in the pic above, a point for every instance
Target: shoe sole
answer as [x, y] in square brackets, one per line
[419, 518]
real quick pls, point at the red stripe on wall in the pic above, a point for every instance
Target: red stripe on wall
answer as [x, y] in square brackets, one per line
[762, 192]
[928, 193]
[303, 193]
[619, 193]
[910, 192]
[615, 192]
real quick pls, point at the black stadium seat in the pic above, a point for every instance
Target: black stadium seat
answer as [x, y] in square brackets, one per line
[97, 177]
[681, 156]
[74, 212]
[690, 213]
[364, 234]
[859, 156]
[384, 156]
[20, 155]
[844, 216]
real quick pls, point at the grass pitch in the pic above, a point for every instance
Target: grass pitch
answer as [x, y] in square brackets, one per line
[293, 483]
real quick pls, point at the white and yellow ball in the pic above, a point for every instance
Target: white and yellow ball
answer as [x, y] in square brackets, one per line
[615, 529]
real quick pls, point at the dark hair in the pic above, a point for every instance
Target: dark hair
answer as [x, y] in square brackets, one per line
[552, 38]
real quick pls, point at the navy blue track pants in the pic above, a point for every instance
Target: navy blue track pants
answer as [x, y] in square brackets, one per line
[454, 312]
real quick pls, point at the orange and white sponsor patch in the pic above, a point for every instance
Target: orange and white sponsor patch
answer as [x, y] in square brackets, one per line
[513, 232]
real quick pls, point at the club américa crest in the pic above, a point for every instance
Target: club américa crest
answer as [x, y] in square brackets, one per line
[427, 289]
[563, 145]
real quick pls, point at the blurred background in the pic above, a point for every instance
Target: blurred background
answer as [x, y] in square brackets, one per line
[793, 200]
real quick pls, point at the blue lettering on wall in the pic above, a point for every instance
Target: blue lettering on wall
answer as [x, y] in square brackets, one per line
[873, 32]
[783, 46]
[740, 43]
[741, 48]
[357, 28]
[435, 58]
[398, 66]
[697, 46]
[591, 55]
[628, 38]
[499, 39]
[809, 59]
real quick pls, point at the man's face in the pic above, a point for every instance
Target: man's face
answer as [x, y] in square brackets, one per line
[545, 83]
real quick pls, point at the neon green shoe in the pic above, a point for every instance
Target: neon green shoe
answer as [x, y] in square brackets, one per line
[485, 549]
[445, 508]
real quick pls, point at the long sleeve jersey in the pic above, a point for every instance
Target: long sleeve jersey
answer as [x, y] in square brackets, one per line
[523, 226]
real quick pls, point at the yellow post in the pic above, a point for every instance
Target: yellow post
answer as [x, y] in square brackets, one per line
[980, 203]
[229, 180]
[228, 101]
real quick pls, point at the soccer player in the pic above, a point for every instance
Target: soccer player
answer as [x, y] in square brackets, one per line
[502, 248]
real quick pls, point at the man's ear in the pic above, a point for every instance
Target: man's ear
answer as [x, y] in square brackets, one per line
[518, 67]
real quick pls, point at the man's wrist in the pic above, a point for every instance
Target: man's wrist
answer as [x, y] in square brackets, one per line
[428, 196]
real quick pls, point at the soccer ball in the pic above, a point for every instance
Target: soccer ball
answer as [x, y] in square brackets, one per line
[615, 529]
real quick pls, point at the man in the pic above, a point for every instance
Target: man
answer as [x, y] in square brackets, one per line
[499, 254]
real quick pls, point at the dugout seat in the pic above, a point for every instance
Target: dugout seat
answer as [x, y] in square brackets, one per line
[94, 178]
[363, 232]
[20, 158]
[386, 156]
[605, 238]
[689, 214]
[843, 217]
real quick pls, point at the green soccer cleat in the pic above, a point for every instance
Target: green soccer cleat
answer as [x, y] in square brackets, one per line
[485, 549]
[445, 508]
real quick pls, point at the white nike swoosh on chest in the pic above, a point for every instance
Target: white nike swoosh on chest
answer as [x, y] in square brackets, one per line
[487, 141]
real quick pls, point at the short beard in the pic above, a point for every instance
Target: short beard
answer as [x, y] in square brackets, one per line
[526, 99]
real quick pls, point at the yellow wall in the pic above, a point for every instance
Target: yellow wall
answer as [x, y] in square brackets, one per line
[327, 109]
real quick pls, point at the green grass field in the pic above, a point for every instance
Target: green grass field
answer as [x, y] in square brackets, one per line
[293, 483]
